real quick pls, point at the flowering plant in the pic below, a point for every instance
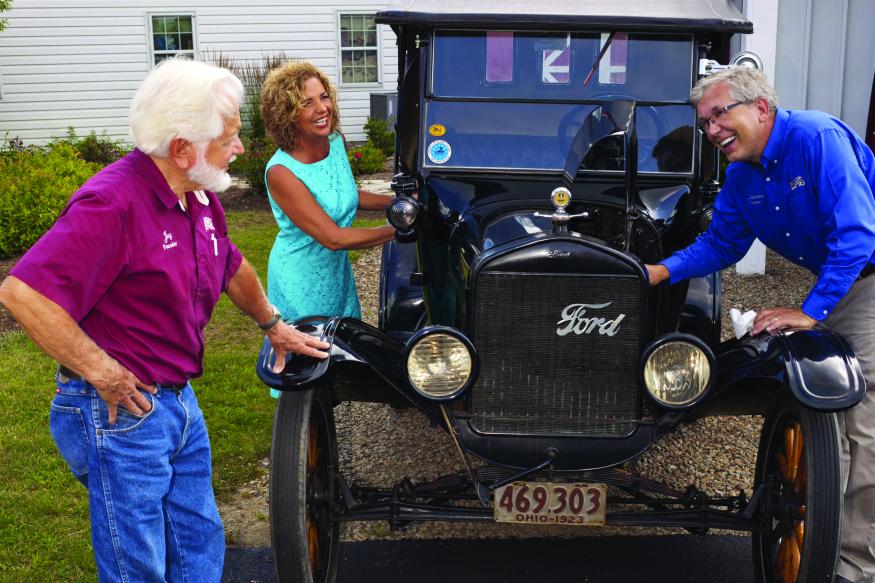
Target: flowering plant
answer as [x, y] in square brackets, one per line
[366, 159]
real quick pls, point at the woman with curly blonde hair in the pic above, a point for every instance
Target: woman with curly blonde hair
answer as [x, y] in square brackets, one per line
[313, 196]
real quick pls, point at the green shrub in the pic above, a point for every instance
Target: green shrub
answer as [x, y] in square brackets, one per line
[366, 159]
[380, 135]
[101, 150]
[36, 185]
[250, 165]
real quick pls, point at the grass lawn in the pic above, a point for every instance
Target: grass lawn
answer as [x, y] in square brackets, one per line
[44, 529]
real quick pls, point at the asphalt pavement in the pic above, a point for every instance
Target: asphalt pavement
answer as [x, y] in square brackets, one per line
[658, 559]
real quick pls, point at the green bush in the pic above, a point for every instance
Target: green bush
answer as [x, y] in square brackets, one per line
[380, 135]
[250, 165]
[101, 150]
[366, 159]
[36, 184]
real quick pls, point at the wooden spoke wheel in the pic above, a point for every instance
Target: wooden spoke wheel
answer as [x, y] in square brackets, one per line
[304, 535]
[800, 515]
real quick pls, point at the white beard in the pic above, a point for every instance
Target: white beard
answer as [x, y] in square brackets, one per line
[207, 176]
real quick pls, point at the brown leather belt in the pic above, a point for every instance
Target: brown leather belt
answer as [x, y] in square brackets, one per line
[63, 371]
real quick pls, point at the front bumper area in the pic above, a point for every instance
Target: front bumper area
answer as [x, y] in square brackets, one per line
[632, 501]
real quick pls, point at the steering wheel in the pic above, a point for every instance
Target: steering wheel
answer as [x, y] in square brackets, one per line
[594, 116]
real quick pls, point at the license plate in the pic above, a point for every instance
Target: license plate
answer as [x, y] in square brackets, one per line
[550, 503]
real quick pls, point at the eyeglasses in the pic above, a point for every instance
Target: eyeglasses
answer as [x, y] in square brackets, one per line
[704, 123]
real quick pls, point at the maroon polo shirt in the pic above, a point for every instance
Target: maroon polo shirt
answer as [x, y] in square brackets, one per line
[140, 275]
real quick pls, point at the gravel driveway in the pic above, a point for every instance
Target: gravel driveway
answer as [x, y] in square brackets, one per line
[379, 445]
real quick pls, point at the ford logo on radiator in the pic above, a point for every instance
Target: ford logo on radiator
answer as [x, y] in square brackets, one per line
[576, 318]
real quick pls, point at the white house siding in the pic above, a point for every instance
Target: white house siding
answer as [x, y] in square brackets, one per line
[77, 63]
[826, 57]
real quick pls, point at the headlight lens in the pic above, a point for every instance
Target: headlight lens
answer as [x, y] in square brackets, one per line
[439, 365]
[402, 212]
[677, 373]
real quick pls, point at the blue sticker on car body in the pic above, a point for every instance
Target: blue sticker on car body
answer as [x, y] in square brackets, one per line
[439, 151]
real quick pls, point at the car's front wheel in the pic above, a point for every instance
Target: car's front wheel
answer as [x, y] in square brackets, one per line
[303, 533]
[799, 461]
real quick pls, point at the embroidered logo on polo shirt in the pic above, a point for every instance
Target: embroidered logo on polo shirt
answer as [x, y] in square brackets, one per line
[796, 183]
[209, 226]
[756, 199]
[169, 243]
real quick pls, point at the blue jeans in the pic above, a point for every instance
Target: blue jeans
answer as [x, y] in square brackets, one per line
[153, 512]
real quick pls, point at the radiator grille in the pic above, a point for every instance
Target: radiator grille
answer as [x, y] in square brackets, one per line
[534, 381]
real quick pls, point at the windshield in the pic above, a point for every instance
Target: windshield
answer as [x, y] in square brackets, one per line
[516, 100]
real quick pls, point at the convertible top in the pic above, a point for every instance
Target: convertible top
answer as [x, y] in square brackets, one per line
[549, 15]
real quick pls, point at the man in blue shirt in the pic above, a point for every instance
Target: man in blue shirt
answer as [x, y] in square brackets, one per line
[802, 182]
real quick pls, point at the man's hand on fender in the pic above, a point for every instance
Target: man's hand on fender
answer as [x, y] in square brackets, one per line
[772, 320]
[285, 338]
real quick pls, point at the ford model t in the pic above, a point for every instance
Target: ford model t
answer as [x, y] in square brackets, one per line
[546, 151]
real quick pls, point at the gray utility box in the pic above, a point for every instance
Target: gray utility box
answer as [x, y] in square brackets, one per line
[384, 105]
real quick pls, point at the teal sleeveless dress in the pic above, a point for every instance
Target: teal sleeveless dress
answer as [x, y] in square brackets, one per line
[303, 277]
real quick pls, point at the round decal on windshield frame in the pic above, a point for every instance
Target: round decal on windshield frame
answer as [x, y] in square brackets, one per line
[439, 152]
[437, 130]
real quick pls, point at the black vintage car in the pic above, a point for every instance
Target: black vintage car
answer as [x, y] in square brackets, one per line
[545, 152]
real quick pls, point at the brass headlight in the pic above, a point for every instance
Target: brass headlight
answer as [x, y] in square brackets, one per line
[677, 371]
[440, 364]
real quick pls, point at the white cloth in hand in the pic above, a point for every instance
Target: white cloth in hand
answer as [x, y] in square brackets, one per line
[742, 323]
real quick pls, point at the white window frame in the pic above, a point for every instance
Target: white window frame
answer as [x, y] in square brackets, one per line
[340, 50]
[150, 35]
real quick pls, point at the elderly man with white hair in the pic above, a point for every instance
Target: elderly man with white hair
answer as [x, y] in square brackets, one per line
[119, 291]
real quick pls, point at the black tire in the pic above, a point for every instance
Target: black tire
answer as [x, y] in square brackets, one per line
[802, 511]
[303, 460]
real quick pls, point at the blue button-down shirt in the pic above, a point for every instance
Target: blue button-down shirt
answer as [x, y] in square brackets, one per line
[810, 199]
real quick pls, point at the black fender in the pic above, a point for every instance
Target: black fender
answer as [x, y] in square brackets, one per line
[817, 366]
[402, 307]
[701, 311]
[364, 364]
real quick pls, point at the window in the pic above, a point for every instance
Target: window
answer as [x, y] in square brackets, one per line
[543, 66]
[530, 101]
[359, 52]
[171, 35]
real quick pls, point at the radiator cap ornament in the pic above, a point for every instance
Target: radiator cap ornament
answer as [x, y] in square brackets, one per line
[561, 198]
